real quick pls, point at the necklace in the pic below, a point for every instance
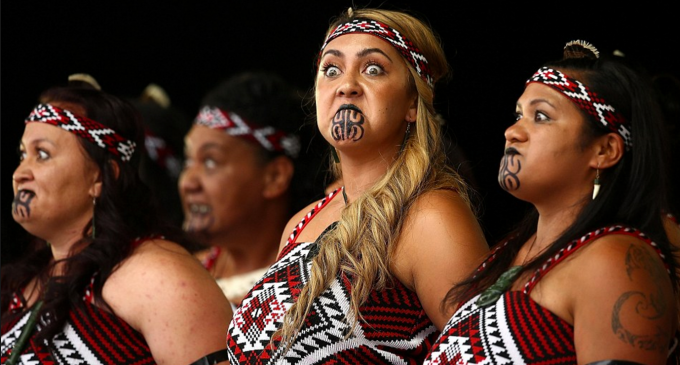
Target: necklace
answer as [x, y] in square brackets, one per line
[492, 293]
[25, 334]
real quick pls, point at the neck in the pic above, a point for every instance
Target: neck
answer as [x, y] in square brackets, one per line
[553, 222]
[250, 247]
[359, 175]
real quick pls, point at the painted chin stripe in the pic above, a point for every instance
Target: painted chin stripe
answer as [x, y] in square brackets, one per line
[407, 49]
[587, 100]
[268, 137]
[83, 127]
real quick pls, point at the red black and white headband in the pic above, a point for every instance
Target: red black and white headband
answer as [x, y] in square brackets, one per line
[407, 49]
[587, 100]
[86, 128]
[268, 137]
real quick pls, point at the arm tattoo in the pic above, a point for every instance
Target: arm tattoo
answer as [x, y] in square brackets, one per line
[649, 305]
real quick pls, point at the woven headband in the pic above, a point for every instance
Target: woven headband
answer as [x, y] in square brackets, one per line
[83, 127]
[268, 137]
[587, 100]
[407, 49]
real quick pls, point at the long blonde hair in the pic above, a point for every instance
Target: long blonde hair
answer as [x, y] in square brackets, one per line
[362, 244]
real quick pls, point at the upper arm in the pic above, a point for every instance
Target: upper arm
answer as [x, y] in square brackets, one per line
[624, 307]
[441, 243]
[172, 300]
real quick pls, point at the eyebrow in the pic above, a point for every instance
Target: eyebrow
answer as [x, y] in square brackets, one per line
[360, 54]
[537, 101]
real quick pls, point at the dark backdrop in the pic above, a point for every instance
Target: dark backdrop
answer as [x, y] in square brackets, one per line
[187, 47]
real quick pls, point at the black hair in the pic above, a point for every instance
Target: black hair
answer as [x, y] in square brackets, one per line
[123, 212]
[633, 193]
[267, 99]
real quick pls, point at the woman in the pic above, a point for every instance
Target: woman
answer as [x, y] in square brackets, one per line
[240, 175]
[350, 285]
[589, 276]
[104, 285]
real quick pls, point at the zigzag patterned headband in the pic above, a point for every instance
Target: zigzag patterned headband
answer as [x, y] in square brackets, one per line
[587, 100]
[268, 137]
[407, 49]
[83, 127]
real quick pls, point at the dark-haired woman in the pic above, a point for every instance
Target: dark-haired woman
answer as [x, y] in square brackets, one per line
[589, 278]
[107, 284]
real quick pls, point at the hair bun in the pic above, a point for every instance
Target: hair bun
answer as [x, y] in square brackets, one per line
[580, 49]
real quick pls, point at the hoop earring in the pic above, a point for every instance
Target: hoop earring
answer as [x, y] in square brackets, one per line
[596, 183]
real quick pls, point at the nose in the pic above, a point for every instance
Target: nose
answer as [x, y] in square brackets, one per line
[350, 86]
[22, 174]
[188, 181]
[515, 133]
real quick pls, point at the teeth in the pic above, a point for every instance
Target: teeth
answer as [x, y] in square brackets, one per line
[199, 208]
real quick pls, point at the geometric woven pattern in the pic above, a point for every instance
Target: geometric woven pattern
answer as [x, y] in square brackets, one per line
[515, 329]
[396, 329]
[91, 336]
[586, 100]
[83, 127]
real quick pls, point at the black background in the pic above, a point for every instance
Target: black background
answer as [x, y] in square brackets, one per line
[188, 46]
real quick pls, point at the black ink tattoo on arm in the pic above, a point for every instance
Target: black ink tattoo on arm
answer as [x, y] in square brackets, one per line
[649, 305]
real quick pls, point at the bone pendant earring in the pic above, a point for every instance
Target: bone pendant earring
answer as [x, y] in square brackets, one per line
[596, 184]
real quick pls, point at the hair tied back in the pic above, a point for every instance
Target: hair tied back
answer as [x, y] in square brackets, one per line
[580, 49]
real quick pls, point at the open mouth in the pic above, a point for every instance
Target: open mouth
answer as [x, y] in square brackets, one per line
[199, 208]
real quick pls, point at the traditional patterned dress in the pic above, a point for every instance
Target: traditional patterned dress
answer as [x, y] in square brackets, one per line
[396, 329]
[91, 336]
[515, 329]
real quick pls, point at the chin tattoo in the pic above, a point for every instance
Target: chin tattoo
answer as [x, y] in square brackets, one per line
[507, 175]
[348, 124]
[21, 206]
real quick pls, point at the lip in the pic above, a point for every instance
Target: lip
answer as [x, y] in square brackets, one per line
[511, 151]
[349, 107]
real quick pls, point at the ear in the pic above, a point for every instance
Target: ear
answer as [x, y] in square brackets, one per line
[115, 168]
[412, 111]
[609, 150]
[96, 188]
[277, 177]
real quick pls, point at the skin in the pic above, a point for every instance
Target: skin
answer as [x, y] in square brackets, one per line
[56, 169]
[234, 200]
[615, 291]
[368, 73]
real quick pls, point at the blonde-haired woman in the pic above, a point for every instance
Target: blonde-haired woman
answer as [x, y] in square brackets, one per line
[361, 273]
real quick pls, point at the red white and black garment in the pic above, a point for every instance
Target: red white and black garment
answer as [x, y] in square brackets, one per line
[515, 329]
[91, 336]
[396, 329]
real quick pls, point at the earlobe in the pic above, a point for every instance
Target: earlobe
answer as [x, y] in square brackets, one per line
[412, 112]
[277, 177]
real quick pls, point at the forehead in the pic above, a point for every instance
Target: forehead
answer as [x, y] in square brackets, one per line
[353, 43]
[201, 137]
[537, 92]
[36, 131]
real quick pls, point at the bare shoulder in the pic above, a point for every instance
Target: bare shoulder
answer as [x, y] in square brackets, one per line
[162, 291]
[160, 272]
[623, 280]
[441, 230]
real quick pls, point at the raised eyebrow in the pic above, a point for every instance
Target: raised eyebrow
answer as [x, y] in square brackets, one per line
[541, 100]
[368, 51]
[333, 52]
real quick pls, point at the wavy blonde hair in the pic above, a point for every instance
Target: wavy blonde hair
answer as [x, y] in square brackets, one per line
[362, 244]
